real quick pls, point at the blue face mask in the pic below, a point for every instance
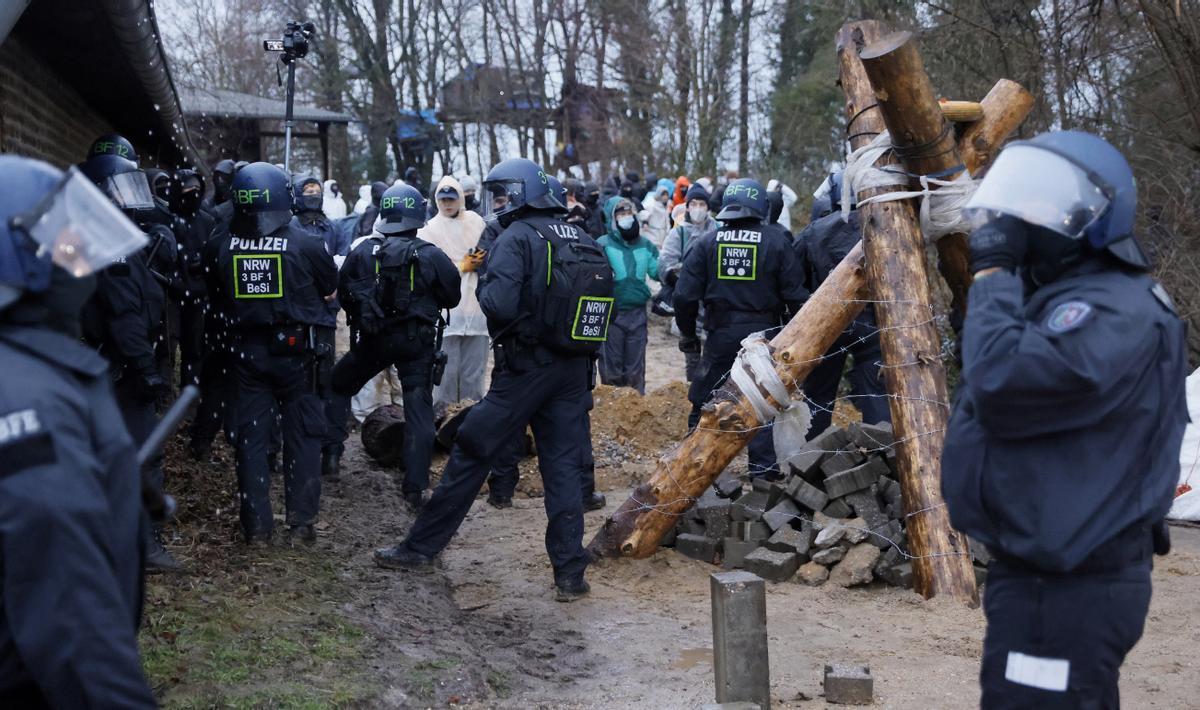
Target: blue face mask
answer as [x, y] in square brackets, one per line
[625, 222]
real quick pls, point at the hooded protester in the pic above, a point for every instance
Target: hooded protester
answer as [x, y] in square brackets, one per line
[655, 217]
[595, 219]
[697, 222]
[364, 199]
[470, 189]
[334, 206]
[679, 196]
[456, 231]
[633, 258]
[193, 227]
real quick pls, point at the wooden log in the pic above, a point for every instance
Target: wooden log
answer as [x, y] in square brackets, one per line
[728, 421]
[1004, 109]
[383, 435]
[961, 111]
[896, 270]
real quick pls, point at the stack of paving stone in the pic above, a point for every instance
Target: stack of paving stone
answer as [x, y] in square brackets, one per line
[837, 515]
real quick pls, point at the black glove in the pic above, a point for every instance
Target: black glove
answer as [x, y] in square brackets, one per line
[150, 384]
[671, 277]
[689, 344]
[1001, 243]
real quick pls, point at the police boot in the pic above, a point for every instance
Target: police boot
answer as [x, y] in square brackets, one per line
[158, 560]
[569, 591]
[595, 501]
[273, 461]
[304, 533]
[415, 500]
[331, 462]
[399, 557]
[499, 502]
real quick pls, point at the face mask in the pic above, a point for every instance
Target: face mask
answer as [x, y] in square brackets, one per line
[697, 214]
[470, 201]
[64, 300]
[625, 223]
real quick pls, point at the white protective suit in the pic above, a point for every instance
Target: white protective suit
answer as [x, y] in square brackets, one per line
[466, 336]
[364, 199]
[333, 205]
[789, 200]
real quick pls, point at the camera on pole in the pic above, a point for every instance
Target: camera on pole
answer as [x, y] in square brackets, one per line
[293, 45]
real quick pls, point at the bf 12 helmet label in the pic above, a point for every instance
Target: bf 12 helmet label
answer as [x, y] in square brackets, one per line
[591, 318]
[737, 262]
[258, 276]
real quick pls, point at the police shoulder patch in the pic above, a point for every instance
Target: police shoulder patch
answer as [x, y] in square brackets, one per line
[1068, 316]
[24, 443]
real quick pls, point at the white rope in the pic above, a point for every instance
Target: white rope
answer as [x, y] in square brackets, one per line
[753, 368]
[942, 201]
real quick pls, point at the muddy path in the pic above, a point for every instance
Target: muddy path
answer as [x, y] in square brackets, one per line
[323, 627]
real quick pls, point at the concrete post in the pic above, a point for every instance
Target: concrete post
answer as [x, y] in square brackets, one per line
[739, 623]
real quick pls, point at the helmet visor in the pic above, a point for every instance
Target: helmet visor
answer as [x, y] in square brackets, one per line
[130, 190]
[502, 196]
[1039, 187]
[81, 229]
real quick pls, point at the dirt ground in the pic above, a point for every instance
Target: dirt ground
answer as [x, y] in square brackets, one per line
[323, 627]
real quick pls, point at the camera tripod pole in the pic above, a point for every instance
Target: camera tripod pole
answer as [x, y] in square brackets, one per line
[288, 121]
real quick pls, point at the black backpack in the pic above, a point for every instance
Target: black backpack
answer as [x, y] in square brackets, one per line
[578, 302]
[397, 281]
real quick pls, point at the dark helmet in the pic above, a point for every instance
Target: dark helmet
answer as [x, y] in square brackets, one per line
[412, 176]
[744, 198]
[120, 179]
[48, 218]
[307, 203]
[556, 189]
[225, 167]
[240, 164]
[262, 199]
[696, 192]
[1069, 183]
[519, 184]
[377, 189]
[113, 144]
[401, 209]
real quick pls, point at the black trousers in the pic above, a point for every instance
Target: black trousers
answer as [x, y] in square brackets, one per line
[140, 420]
[861, 340]
[217, 390]
[413, 358]
[271, 386]
[502, 483]
[554, 400]
[192, 313]
[721, 348]
[1058, 640]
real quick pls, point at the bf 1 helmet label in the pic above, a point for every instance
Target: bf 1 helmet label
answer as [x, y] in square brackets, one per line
[591, 318]
[737, 262]
[258, 276]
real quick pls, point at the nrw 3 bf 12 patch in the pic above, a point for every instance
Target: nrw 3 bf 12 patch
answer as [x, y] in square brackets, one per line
[737, 262]
[258, 276]
[591, 318]
[1068, 316]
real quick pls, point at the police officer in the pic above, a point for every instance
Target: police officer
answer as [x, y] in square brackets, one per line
[1062, 452]
[541, 274]
[125, 317]
[70, 512]
[820, 247]
[220, 206]
[749, 280]
[275, 281]
[193, 228]
[502, 482]
[310, 217]
[394, 287]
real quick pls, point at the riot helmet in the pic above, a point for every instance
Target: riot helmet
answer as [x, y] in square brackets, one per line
[120, 179]
[744, 199]
[222, 180]
[377, 189]
[1071, 186]
[514, 186]
[113, 144]
[558, 191]
[262, 200]
[50, 219]
[401, 209]
[774, 206]
[308, 194]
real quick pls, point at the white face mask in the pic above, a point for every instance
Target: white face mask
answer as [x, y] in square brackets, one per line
[625, 222]
[697, 214]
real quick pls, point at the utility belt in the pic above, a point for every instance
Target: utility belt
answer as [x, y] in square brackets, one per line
[1135, 544]
[718, 316]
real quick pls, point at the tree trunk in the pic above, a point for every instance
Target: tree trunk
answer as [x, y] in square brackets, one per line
[1004, 109]
[729, 421]
[896, 268]
[744, 91]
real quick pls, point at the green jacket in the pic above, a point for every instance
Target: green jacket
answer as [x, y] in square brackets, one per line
[631, 264]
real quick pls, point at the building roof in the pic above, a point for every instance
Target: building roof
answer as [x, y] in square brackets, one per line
[223, 103]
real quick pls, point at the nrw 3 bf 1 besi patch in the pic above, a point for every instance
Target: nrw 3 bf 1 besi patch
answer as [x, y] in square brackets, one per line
[1068, 316]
